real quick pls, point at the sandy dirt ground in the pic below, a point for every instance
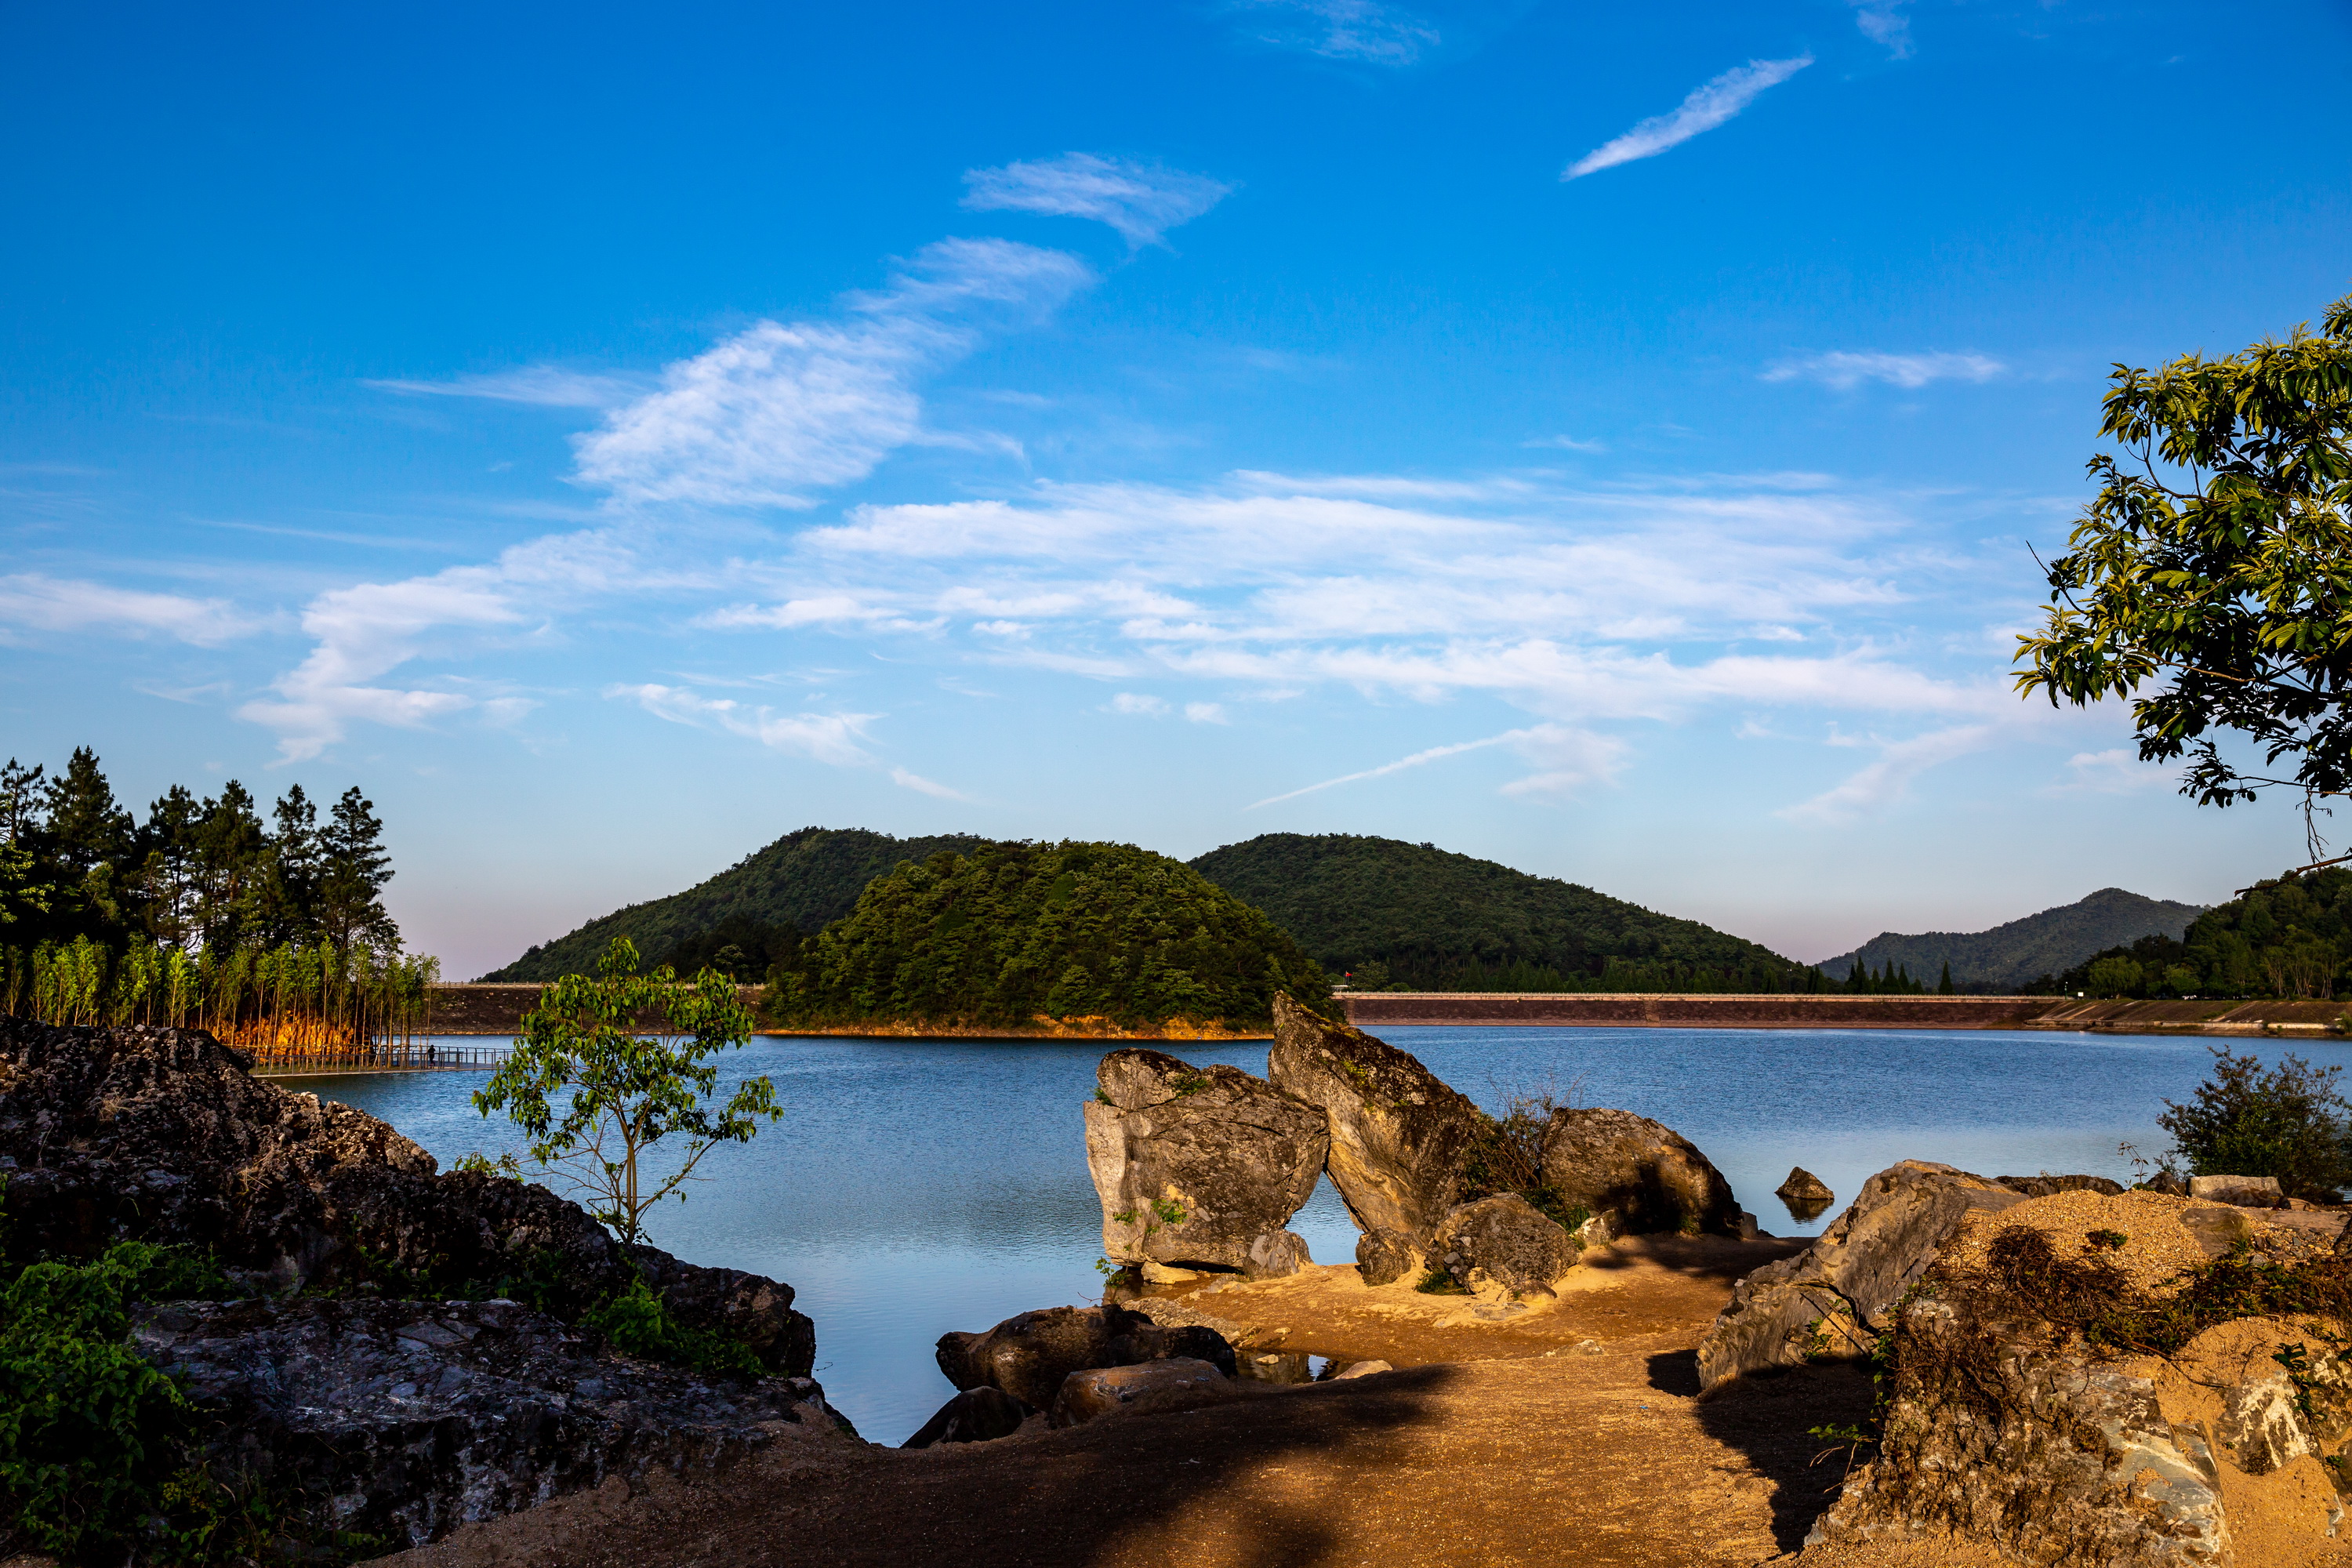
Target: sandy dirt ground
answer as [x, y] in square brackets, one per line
[1566, 1433]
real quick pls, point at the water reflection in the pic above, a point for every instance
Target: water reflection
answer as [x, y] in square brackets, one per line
[915, 1186]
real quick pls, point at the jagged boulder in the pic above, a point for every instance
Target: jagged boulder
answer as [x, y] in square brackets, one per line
[164, 1135]
[1831, 1300]
[1805, 1193]
[1399, 1133]
[1506, 1239]
[1029, 1355]
[2044, 1186]
[1200, 1167]
[405, 1419]
[1636, 1175]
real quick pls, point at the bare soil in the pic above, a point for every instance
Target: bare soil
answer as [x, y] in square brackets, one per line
[1566, 1433]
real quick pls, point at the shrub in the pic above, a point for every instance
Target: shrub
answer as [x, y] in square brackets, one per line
[89, 1431]
[2286, 1122]
[638, 1323]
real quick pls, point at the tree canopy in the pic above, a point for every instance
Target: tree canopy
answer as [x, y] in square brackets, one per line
[2210, 578]
[1010, 933]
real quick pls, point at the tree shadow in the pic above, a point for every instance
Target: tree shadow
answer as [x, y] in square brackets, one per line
[1767, 1417]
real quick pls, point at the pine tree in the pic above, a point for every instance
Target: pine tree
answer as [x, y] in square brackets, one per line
[353, 869]
[1945, 987]
[86, 829]
[233, 864]
[166, 855]
[289, 900]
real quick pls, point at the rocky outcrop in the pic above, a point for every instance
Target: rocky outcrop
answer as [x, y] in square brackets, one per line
[164, 1135]
[1385, 1256]
[2044, 1186]
[1636, 1175]
[1097, 1391]
[2050, 1456]
[1028, 1356]
[1200, 1167]
[1506, 1239]
[979, 1415]
[405, 1419]
[1831, 1301]
[1398, 1132]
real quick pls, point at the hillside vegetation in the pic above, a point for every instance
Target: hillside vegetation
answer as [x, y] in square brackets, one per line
[794, 886]
[2013, 955]
[1387, 912]
[2288, 937]
[1005, 935]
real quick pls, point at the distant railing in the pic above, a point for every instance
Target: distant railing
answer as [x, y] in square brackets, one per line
[389, 1056]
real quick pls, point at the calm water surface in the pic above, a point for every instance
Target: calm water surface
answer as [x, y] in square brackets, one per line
[919, 1186]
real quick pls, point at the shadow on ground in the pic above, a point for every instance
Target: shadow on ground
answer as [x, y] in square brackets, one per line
[1768, 1419]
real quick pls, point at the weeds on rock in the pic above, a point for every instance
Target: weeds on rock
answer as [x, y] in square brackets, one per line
[1506, 1156]
[1438, 1282]
[638, 1323]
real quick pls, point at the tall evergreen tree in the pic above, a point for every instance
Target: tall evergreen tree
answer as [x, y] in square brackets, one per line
[86, 828]
[289, 900]
[167, 878]
[1944, 987]
[233, 867]
[354, 867]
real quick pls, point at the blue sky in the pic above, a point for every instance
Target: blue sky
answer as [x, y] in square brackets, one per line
[1604, 438]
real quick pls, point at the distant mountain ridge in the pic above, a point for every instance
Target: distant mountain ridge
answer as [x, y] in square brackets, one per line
[805, 879]
[1397, 912]
[2023, 950]
[1426, 917]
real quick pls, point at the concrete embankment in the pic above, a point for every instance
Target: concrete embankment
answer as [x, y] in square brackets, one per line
[498, 1009]
[1629, 1010]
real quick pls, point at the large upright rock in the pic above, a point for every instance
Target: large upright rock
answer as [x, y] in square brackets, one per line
[1831, 1300]
[1636, 1175]
[1200, 1167]
[1398, 1131]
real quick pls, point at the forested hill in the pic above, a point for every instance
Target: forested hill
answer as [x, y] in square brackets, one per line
[1389, 913]
[805, 880]
[2021, 952]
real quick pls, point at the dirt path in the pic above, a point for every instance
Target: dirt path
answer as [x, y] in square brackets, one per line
[1568, 1433]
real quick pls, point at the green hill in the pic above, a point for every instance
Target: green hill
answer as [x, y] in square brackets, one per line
[2290, 936]
[1427, 919]
[802, 880]
[2015, 954]
[1004, 935]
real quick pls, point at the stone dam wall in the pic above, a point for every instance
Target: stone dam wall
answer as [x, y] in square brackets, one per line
[498, 1009]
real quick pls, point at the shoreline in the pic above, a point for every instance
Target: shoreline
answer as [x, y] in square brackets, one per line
[461, 1009]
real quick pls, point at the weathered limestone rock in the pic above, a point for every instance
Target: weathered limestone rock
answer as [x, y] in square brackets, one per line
[1637, 1174]
[2261, 1426]
[1029, 1355]
[1507, 1240]
[164, 1135]
[1200, 1167]
[1385, 1256]
[405, 1419]
[2045, 1185]
[975, 1416]
[2244, 1192]
[1361, 1369]
[1097, 1392]
[2095, 1474]
[1831, 1300]
[1398, 1132]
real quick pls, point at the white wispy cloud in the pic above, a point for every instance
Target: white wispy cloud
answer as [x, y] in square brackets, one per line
[1138, 703]
[1882, 22]
[1360, 30]
[362, 633]
[1847, 371]
[546, 386]
[1141, 201]
[782, 410]
[907, 778]
[2115, 771]
[40, 603]
[1889, 778]
[1703, 109]
[1564, 444]
[1205, 712]
[836, 738]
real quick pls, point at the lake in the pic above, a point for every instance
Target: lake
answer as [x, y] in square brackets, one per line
[915, 1186]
